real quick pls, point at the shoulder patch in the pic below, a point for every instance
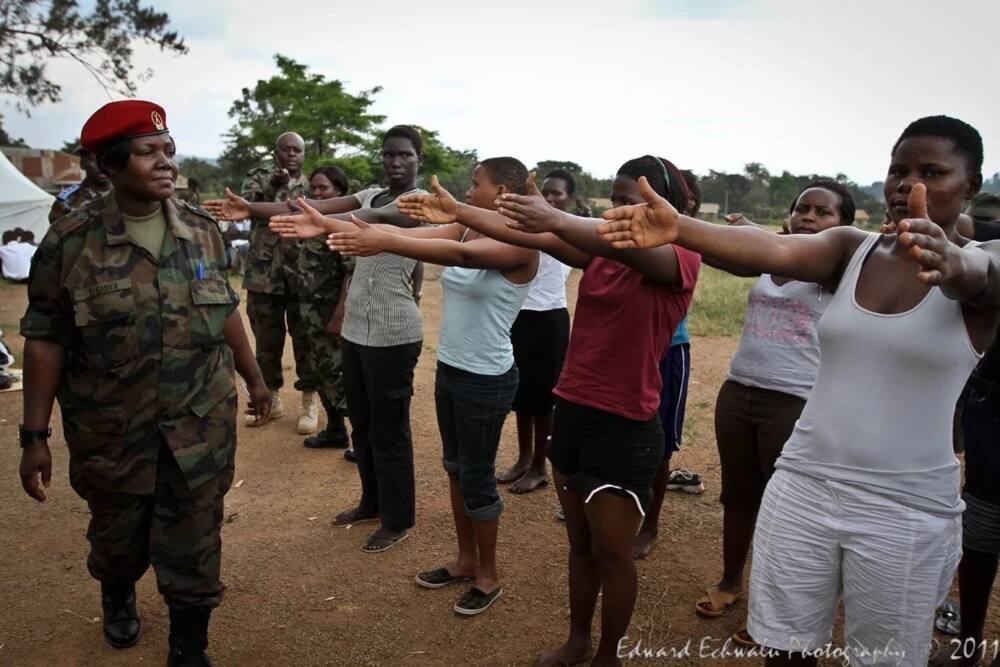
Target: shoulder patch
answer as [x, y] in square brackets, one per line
[71, 221]
[68, 192]
[197, 210]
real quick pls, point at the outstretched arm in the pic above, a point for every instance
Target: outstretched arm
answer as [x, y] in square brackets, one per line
[234, 207]
[532, 214]
[439, 207]
[310, 222]
[481, 253]
[818, 258]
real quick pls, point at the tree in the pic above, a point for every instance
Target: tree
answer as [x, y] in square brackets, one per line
[330, 119]
[587, 185]
[545, 166]
[33, 32]
[452, 167]
[208, 175]
[6, 139]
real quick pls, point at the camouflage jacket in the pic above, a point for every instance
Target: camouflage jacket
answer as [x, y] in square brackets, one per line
[72, 199]
[146, 361]
[321, 271]
[271, 261]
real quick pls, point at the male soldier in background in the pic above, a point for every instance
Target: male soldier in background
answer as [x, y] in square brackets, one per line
[94, 185]
[271, 279]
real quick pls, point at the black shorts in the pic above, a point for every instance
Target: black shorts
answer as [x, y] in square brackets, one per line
[540, 338]
[600, 451]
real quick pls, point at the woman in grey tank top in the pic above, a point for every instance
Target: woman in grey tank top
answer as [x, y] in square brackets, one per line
[771, 376]
[864, 504]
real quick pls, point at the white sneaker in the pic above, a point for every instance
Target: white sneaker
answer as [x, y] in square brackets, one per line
[277, 410]
[309, 419]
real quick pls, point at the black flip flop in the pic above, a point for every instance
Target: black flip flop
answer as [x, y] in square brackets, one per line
[438, 578]
[474, 601]
[948, 620]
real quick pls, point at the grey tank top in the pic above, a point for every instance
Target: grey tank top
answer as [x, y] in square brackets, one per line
[880, 414]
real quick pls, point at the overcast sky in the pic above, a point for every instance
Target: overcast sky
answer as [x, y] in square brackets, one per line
[812, 87]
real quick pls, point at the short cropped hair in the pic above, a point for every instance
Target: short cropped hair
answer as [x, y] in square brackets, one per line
[565, 176]
[845, 206]
[508, 172]
[406, 132]
[966, 138]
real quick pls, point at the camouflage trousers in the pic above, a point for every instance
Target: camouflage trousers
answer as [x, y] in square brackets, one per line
[177, 529]
[271, 316]
[323, 359]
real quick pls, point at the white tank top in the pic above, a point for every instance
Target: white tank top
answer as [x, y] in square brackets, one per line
[880, 414]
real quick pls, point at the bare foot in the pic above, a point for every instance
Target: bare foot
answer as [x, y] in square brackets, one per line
[530, 481]
[644, 543]
[515, 473]
[573, 652]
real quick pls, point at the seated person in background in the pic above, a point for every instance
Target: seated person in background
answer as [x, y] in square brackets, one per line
[15, 254]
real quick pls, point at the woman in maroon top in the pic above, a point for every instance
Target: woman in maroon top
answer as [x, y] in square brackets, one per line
[607, 441]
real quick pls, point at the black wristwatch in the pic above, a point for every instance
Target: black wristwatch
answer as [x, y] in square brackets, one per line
[27, 437]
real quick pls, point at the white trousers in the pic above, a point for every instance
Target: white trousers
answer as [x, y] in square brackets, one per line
[818, 542]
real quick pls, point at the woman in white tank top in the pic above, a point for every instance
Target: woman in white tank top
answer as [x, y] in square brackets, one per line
[864, 504]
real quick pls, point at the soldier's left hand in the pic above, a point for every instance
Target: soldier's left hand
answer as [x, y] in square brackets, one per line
[36, 469]
[260, 402]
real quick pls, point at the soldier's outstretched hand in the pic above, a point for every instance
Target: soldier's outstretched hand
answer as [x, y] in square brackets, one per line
[232, 209]
[648, 225]
[437, 208]
[36, 469]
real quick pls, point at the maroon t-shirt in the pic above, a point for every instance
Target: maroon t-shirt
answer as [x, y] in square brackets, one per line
[622, 328]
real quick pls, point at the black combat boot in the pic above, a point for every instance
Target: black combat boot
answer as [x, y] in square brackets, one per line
[121, 620]
[334, 435]
[189, 637]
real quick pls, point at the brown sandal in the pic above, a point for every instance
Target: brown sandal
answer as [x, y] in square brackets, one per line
[743, 638]
[716, 602]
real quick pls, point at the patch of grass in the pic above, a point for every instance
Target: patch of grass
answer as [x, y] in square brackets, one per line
[720, 303]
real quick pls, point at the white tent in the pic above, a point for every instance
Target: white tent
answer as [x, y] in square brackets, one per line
[22, 203]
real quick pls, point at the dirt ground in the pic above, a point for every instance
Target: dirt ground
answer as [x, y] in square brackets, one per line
[302, 592]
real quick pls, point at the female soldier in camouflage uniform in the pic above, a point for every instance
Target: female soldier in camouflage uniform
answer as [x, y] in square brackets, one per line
[132, 326]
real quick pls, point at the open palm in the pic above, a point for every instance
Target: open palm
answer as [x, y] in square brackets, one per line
[306, 225]
[232, 208]
[648, 225]
[436, 208]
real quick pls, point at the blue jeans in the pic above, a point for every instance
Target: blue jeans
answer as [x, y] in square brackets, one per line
[471, 410]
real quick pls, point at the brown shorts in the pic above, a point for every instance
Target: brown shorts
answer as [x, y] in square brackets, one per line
[751, 427]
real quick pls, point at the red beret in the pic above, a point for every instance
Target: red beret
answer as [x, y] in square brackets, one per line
[121, 120]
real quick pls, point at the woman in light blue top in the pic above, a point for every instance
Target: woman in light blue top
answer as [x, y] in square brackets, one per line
[484, 286]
